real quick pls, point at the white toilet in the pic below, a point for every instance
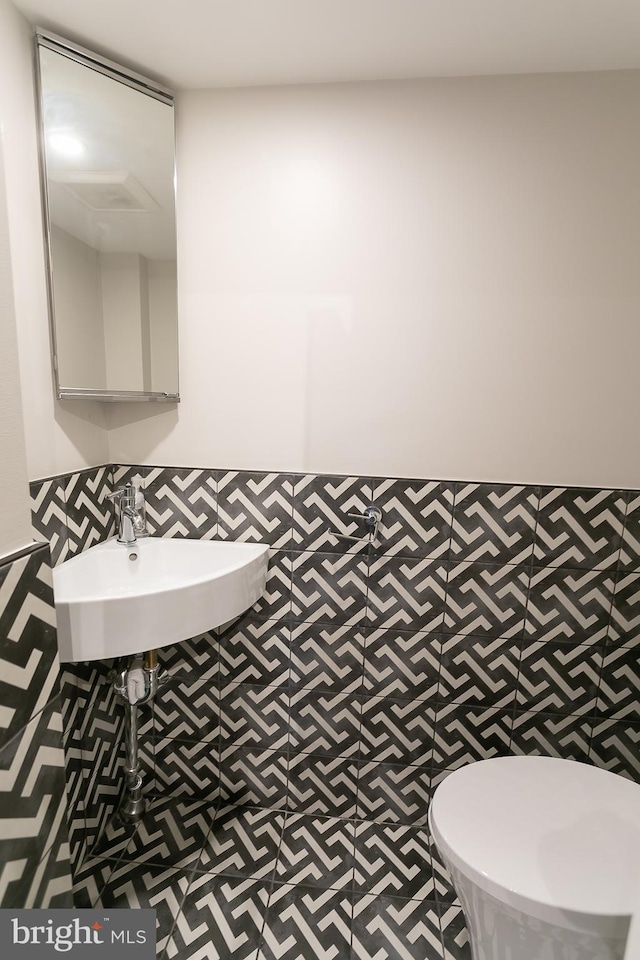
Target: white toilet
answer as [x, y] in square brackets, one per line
[544, 855]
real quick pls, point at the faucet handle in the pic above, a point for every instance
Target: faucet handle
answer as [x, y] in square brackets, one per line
[125, 495]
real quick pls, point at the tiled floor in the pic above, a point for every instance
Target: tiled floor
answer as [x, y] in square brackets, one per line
[253, 884]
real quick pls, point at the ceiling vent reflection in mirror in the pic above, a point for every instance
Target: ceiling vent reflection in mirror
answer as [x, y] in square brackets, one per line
[107, 148]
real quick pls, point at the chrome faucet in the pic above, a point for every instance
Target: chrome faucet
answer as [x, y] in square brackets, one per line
[131, 520]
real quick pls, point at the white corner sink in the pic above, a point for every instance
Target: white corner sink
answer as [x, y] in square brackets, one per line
[114, 600]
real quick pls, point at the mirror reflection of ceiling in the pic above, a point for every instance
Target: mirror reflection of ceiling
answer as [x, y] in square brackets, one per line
[110, 183]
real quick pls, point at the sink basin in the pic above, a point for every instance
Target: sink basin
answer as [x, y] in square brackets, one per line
[114, 600]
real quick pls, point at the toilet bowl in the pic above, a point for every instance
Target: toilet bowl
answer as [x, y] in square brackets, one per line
[544, 855]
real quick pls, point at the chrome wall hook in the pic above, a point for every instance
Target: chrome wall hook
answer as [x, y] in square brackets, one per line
[372, 517]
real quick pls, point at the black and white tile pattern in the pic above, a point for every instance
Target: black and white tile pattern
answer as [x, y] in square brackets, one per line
[222, 918]
[254, 777]
[407, 594]
[394, 793]
[327, 658]
[255, 506]
[327, 724]
[464, 734]
[494, 523]
[35, 868]
[49, 516]
[322, 785]
[322, 505]
[329, 588]
[479, 671]
[416, 517]
[28, 647]
[242, 842]
[559, 678]
[567, 605]
[389, 928]
[397, 731]
[579, 528]
[486, 599]
[304, 923]
[316, 851]
[181, 502]
[488, 619]
[403, 665]
[90, 513]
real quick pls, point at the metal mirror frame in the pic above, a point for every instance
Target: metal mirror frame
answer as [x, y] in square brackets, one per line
[73, 51]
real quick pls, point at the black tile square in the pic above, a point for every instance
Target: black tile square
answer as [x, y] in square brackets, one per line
[416, 517]
[536, 734]
[255, 507]
[455, 936]
[322, 785]
[494, 522]
[327, 657]
[254, 777]
[624, 626]
[389, 928]
[402, 665]
[397, 731]
[393, 859]
[253, 716]
[571, 606]
[275, 603]
[172, 832]
[579, 527]
[464, 734]
[615, 746]
[486, 600]
[114, 839]
[321, 506]
[256, 651]
[181, 502]
[29, 666]
[242, 842]
[479, 671]
[184, 768]
[306, 923]
[196, 658]
[89, 880]
[630, 549]
[316, 851]
[222, 919]
[90, 513]
[49, 516]
[147, 886]
[406, 594]
[327, 724]
[329, 588]
[188, 709]
[443, 885]
[559, 678]
[390, 793]
[33, 801]
[619, 693]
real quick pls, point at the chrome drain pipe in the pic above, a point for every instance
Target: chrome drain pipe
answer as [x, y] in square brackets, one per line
[135, 686]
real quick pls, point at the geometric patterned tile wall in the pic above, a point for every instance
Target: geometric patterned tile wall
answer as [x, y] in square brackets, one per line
[35, 868]
[488, 619]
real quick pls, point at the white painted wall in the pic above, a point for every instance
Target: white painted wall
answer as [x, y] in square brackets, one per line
[15, 516]
[429, 278]
[59, 436]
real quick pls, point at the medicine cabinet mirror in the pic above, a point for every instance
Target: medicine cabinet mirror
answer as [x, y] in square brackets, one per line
[108, 182]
